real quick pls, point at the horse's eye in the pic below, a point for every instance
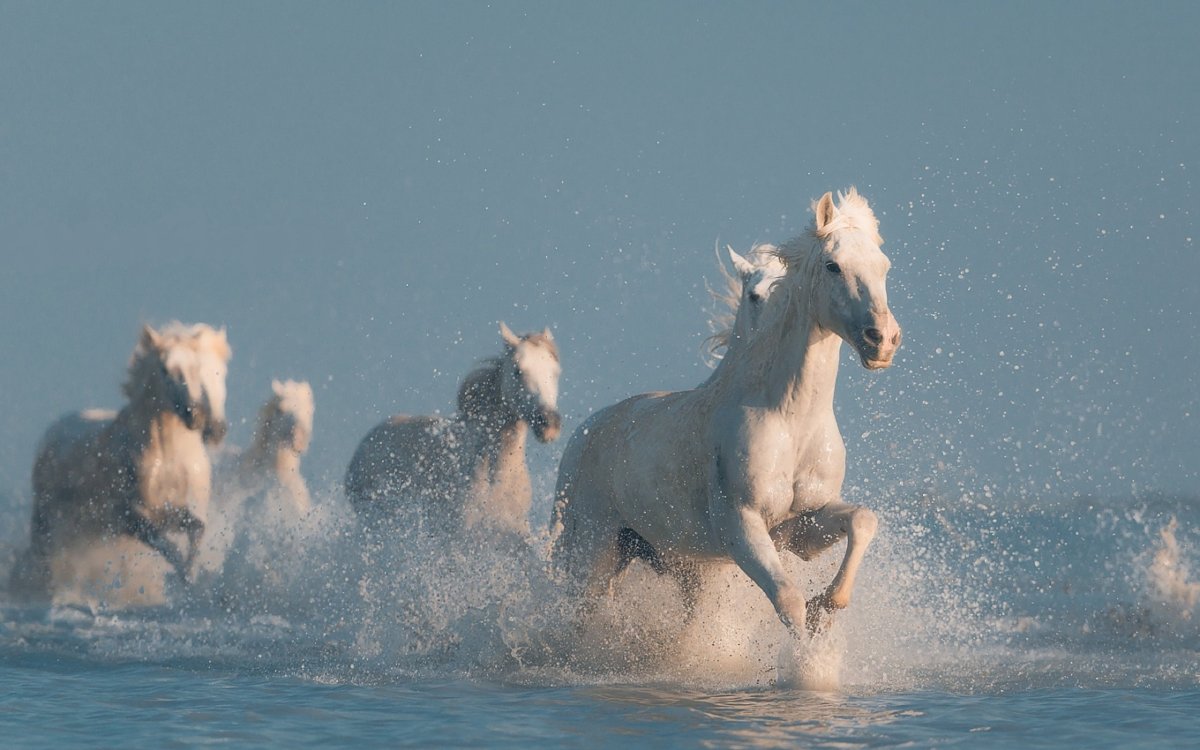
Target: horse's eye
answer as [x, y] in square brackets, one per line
[833, 267]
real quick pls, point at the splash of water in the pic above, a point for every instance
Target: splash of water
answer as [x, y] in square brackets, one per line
[948, 591]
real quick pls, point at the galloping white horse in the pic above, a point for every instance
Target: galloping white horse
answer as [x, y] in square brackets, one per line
[468, 471]
[271, 464]
[142, 472]
[751, 462]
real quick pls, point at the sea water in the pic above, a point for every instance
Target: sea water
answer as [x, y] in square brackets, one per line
[980, 624]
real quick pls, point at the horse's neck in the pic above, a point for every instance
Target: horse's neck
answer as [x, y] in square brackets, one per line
[790, 367]
[499, 495]
[494, 437]
[509, 448]
[493, 452]
[155, 428]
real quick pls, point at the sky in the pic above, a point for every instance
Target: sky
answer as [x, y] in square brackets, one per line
[360, 191]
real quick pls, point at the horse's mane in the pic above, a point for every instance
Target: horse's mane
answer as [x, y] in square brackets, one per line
[853, 213]
[199, 337]
[480, 388]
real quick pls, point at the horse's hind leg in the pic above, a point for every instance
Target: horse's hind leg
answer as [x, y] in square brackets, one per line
[812, 534]
[632, 546]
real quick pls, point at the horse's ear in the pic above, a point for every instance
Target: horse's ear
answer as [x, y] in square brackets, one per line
[150, 340]
[740, 264]
[277, 387]
[509, 337]
[546, 332]
[826, 212]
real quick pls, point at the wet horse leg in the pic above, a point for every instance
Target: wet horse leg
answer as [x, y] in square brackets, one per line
[811, 534]
[749, 544]
[145, 531]
[194, 528]
[632, 546]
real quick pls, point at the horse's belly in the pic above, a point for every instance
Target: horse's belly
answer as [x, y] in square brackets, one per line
[670, 512]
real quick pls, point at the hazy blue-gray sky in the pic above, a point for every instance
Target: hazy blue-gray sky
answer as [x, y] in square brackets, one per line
[359, 191]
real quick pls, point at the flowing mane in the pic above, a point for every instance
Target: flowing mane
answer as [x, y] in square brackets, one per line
[853, 212]
[480, 389]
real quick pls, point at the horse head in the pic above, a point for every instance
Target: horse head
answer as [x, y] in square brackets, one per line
[850, 291]
[288, 417]
[529, 381]
[183, 368]
[758, 272]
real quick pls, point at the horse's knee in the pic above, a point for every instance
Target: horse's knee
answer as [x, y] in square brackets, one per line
[863, 524]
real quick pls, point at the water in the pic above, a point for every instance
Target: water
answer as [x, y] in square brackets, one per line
[974, 624]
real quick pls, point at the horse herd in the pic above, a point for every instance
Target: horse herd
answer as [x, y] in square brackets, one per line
[744, 467]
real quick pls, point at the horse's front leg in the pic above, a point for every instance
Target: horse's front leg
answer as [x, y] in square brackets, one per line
[812, 534]
[147, 532]
[748, 542]
[191, 524]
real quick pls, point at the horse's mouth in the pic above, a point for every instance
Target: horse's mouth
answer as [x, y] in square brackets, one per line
[875, 357]
[546, 427]
[214, 431]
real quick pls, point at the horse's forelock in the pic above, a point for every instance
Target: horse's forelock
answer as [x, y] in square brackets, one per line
[854, 212]
[543, 340]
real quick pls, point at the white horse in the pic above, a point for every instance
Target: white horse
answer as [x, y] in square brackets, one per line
[271, 465]
[468, 471]
[140, 473]
[751, 462]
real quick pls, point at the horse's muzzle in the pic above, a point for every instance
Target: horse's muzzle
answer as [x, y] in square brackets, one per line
[877, 343]
[546, 424]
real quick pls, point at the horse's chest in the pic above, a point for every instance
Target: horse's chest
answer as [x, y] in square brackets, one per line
[172, 481]
[789, 468]
[819, 470]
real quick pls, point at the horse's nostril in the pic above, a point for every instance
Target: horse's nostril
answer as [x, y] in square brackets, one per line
[896, 339]
[873, 335]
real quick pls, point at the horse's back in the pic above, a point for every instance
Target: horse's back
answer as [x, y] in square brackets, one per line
[402, 456]
[69, 454]
[71, 430]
